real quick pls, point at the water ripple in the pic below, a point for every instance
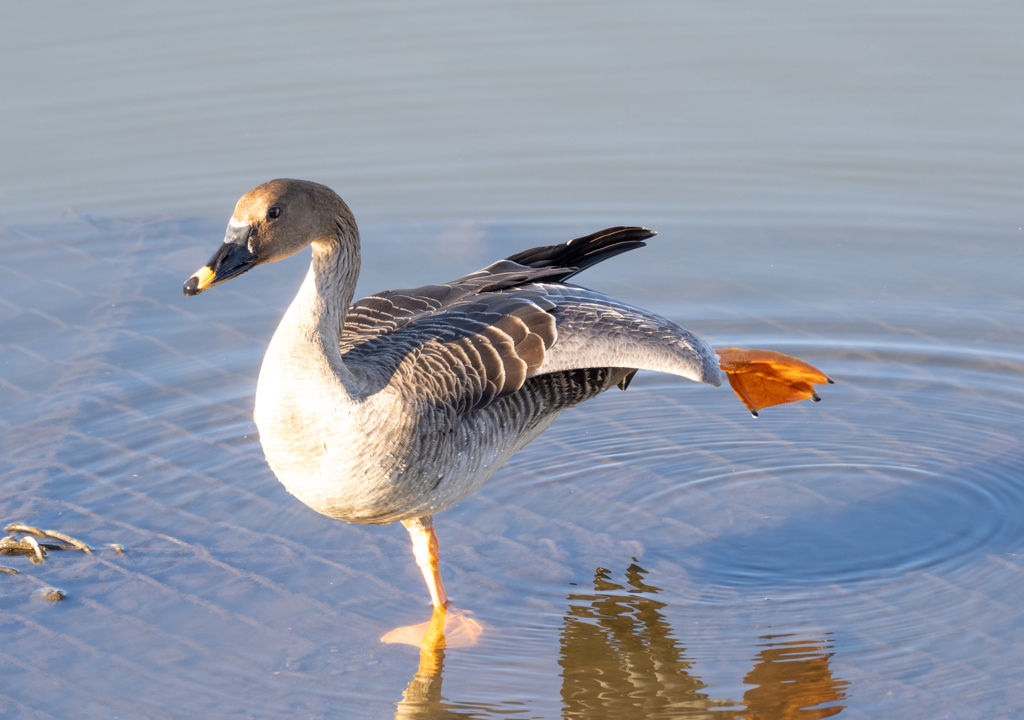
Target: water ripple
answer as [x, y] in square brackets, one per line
[912, 462]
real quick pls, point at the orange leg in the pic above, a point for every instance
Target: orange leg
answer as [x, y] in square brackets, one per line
[425, 548]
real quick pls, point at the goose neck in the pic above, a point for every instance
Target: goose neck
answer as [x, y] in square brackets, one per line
[319, 309]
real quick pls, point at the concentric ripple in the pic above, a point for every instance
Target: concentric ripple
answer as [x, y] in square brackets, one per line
[910, 463]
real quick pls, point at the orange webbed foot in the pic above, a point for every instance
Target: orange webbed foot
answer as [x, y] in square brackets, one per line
[447, 628]
[762, 378]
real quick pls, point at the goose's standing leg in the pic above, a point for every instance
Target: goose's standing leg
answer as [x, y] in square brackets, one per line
[425, 548]
[448, 627]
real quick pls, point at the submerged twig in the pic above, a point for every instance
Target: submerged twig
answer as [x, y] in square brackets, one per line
[73, 544]
[39, 553]
[68, 539]
[28, 546]
[36, 550]
[23, 528]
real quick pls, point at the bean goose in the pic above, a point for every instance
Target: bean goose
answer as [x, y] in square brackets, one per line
[398, 406]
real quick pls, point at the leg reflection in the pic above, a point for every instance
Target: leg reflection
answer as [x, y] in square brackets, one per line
[422, 700]
[423, 696]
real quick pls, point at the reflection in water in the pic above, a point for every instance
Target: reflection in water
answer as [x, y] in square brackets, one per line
[791, 679]
[619, 659]
[423, 697]
[422, 700]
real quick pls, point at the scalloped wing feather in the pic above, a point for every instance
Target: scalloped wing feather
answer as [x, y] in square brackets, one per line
[464, 343]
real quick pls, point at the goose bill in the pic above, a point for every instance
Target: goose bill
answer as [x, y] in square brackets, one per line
[231, 260]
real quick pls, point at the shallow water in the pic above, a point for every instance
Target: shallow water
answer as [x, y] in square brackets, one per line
[847, 188]
[866, 549]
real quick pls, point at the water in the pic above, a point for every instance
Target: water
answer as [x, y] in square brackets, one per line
[842, 184]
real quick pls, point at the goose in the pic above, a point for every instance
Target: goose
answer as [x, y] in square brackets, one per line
[399, 405]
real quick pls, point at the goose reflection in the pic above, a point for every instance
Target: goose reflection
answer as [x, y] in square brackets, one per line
[791, 681]
[620, 659]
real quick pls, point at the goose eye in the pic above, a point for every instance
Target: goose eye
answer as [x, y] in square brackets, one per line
[273, 212]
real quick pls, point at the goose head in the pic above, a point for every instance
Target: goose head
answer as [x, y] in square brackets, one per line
[272, 222]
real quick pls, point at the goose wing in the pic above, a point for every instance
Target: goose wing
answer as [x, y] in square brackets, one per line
[464, 343]
[388, 311]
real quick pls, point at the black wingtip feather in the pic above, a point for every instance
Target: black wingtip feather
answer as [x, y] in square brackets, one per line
[579, 254]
